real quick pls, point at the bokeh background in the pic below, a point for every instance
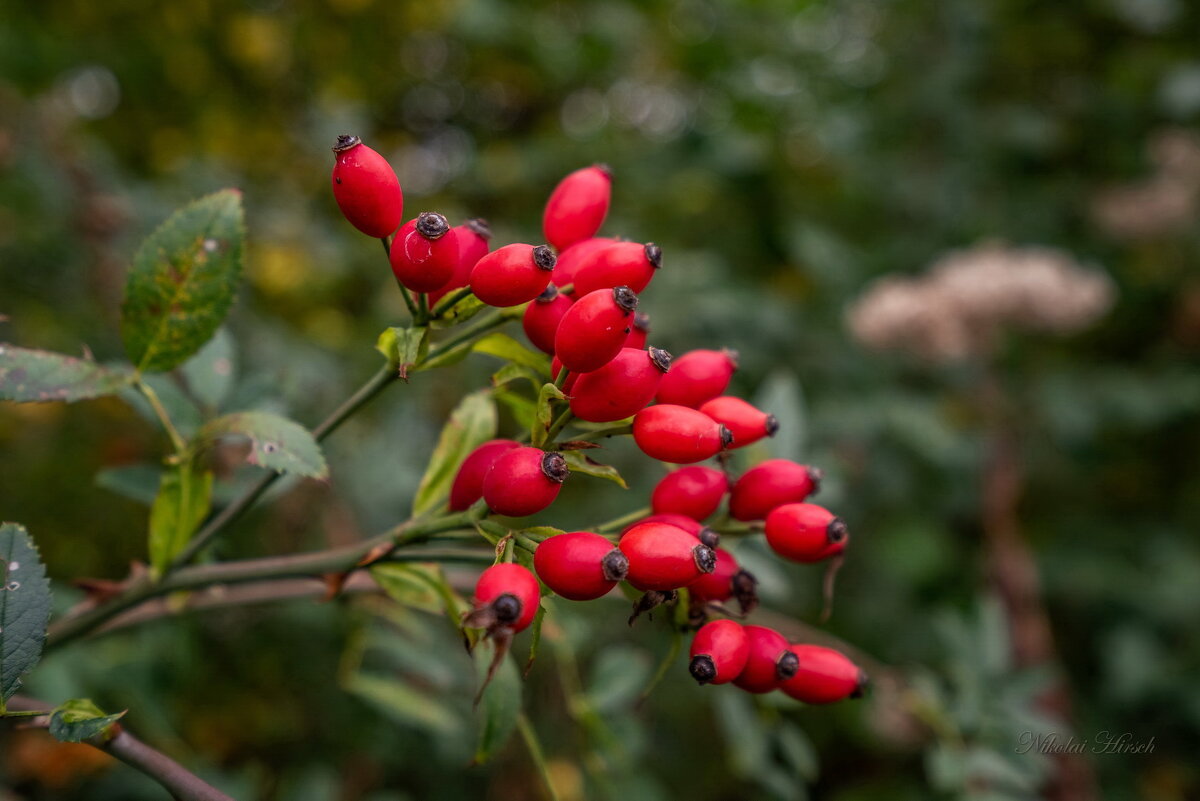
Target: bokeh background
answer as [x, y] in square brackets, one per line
[786, 155]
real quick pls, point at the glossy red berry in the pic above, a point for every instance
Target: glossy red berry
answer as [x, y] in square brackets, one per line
[624, 264]
[697, 529]
[523, 481]
[556, 366]
[424, 253]
[571, 259]
[577, 206]
[620, 388]
[579, 565]
[510, 593]
[512, 274]
[473, 239]
[695, 492]
[678, 434]
[366, 188]
[468, 482]
[638, 331]
[719, 652]
[728, 580]
[664, 557]
[542, 317]
[825, 676]
[593, 330]
[747, 423]
[805, 532]
[698, 375]
[770, 484]
[769, 661]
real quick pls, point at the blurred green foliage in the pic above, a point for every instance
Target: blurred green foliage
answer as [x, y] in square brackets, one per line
[783, 154]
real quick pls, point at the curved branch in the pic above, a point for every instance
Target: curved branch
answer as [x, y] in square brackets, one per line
[181, 783]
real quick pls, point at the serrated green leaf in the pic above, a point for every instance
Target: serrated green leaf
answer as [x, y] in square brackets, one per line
[24, 607]
[500, 705]
[183, 500]
[470, 425]
[579, 462]
[79, 719]
[539, 533]
[505, 347]
[276, 443]
[209, 375]
[182, 282]
[37, 376]
[423, 586]
[403, 347]
[460, 312]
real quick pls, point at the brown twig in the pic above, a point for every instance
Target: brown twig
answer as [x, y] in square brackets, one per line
[181, 783]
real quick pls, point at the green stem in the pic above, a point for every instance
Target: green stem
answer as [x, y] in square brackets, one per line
[621, 522]
[557, 426]
[611, 431]
[664, 666]
[385, 376]
[177, 441]
[561, 379]
[422, 316]
[535, 753]
[408, 301]
[450, 301]
[32, 713]
[466, 338]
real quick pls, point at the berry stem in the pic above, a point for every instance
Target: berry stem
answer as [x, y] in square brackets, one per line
[408, 301]
[535, 753]
[561, 379]
[557, 426]
[621, 522]
[177, 441]
[611, 431]
[422, 316]
[450, 301]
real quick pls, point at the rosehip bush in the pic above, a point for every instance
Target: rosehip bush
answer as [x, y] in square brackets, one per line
[590, 373]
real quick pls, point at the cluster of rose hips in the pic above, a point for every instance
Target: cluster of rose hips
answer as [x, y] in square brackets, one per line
[581, 295]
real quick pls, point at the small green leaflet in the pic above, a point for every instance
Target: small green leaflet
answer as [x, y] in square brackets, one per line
[276, 443]
[182, 282]
[80, 719]
[509, 349]
[579, 462]
[404, 348]
[470, 425]
[183, 500]
[545, 413]
[36, 376]
[24, 607]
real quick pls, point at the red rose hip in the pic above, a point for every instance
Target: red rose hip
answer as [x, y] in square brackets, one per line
[664, 557]
[698, 376]
[695, 492]
[620, 388]
[825, 676]
[524, 481]
[579, 565]
[542, 317]
[366, 188]
[697, 529]
[728, 580]
[678, 434]
[719, 652]
[805, 532]
[747, 423]
[624, 264]
[577, 206]
[506, 596]
[468, 482]
[769, 661]
[571, 259]
[473, 238]
[593, 330]
[770, 484]
[424, 253]
[512, 275]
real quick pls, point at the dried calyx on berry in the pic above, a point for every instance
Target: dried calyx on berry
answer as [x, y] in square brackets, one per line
[650, 600]
[745, 590]
[345, 142]
[544, 258]
[554, 467]
[708, 536]
[479, 227]
[432, 225]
